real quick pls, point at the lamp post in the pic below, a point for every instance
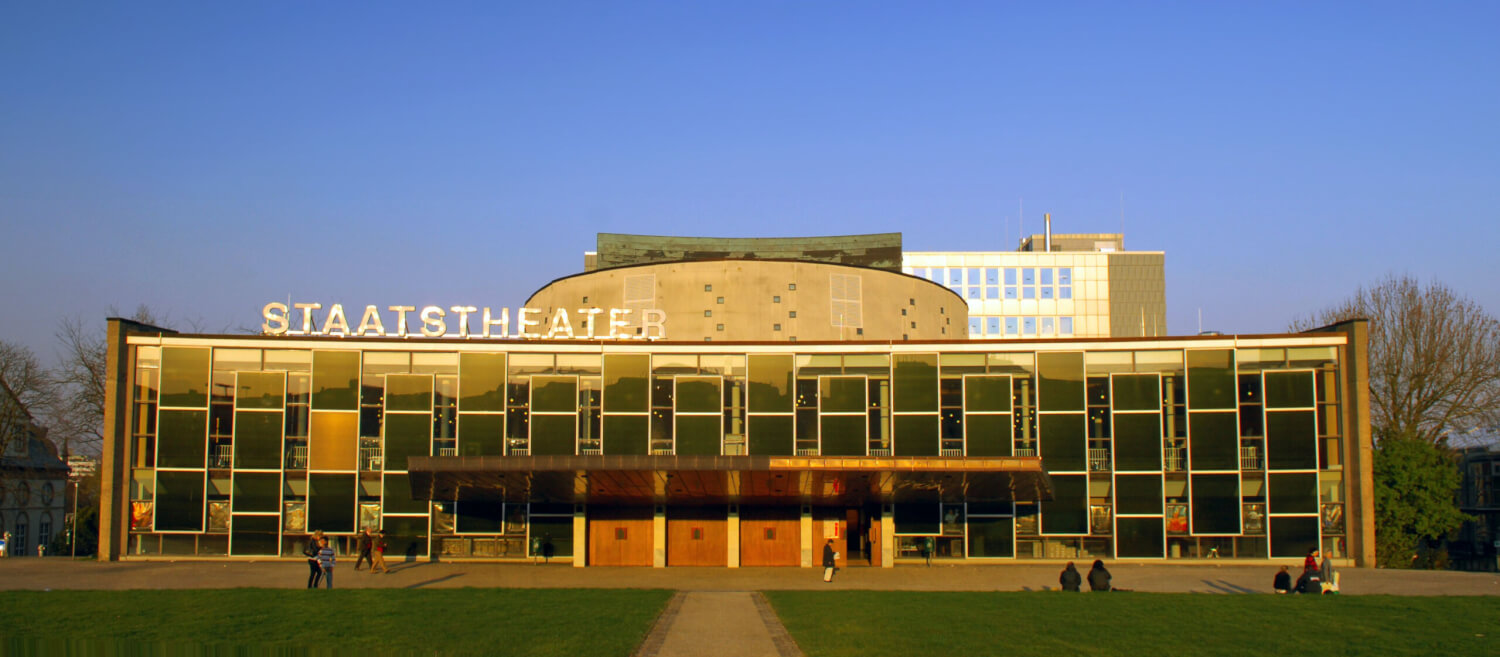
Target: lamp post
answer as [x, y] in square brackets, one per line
[73, 529]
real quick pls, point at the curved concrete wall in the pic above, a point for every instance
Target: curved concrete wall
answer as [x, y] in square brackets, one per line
[768, 300]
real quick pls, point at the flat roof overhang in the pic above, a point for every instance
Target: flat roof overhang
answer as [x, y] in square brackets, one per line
[703, 480]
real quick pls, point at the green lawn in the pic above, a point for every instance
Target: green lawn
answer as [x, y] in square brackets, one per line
[867, 624]
[298, 621]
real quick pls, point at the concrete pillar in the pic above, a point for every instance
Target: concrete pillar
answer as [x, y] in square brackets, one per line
[115, 459]
[659, 537]
[887, 536]
[806, 531]
[580, 536]
[734, 536]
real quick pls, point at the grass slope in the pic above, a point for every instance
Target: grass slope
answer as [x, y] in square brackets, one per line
[865, 624]
[539, 622]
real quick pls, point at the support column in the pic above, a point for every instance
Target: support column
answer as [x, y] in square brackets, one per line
[115, 459]
[734, 536]
[580, 536]
[805, 530]
[659, 537]
[887, 536]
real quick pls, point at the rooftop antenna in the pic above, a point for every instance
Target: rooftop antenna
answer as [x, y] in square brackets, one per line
[1122, 217]
[1200, 320]
[1020, 220]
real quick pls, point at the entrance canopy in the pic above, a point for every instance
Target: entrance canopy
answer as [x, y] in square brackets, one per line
[703, 480]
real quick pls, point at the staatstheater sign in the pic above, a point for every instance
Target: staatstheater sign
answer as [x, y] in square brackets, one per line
[457, 322]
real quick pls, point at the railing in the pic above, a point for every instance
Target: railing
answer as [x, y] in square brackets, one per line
[223, 456]
[1098, 460]
[1026, 451]
[371, 459]
[807, 452]
[447, 451]
[296, 457]
[950, 452]
[880, 451]
[1250, 458]
[520, 451]
[591, 452]
[1176, 458]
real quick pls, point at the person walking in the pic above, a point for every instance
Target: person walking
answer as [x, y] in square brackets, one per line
[364, 549]
[377, 546]
[1098, 577]
[830, 560]
[1070, 579]
[325, 561]
[314, 571]
[1283, 581]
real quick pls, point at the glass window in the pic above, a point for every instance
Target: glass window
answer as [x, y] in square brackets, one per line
[987, 435]
[771, 435]
[257, 440]
[992, 324]
[842, 435]
[987, 394]
[919, 272]
[1292, 492]
[1028, 325]
[1138, 538]
[770, 383]
[992, 293]
[1046, 273]
[973, 293]
[335, 380]
[915, 435]
[1211, 378]
[626, 434]
[179, 500]
[1010, 292]
[253, 535]
[407, 536]
[1028, 293]
[626, 382]
[1135, 392]
[1213, 441]
[1048, 325]
[481, 382]
[1291, 538]
[1046, 292]
[1068, 510]
[554, 394]
[1028, 276]
[1012, 326]
[333, 440]
[1138, 494]
[184, 377]
[841, 394]
[1065, 325]
[1063, 441]
[991, 276]
[698, 435]
[554, 435]
[257, 491]
[991, 537]
[1291, 440]
[481, 434]
[330, 502]
[915, 382]
[1065, 293]
[1061, 384]
[698, 394]
[1010, 276]
[1289, 390]
[479, 518]
[955, 276]
[406, 435]
[182, 439]
[261, 390]
[1065, 276]
[975, 326]
[1137, 442]
[1216, 503]
[975, 277]
[408, 392]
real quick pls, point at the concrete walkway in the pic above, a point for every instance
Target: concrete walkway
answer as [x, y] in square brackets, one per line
[60, 573]
[727, 623]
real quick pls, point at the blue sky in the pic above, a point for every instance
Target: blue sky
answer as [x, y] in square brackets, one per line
[206, 158]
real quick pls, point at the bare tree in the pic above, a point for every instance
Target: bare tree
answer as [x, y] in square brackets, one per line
[1434, 359]
[26, 389]
[77, 421]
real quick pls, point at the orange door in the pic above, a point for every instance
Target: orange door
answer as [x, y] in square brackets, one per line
[619, 536]
[770, 536]
[698, 536]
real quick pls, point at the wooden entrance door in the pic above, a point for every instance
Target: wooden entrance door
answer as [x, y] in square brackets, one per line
[619, 536]
[770, 536]
[698, 536]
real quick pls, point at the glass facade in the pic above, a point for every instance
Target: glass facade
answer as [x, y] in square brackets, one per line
[1152, 452]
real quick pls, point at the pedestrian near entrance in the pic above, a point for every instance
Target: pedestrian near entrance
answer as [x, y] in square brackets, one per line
[364, 550]
[377, 545]
[1283, 582]
[830, 560]
[1070, 579]
[325, 561]
[1098, 577]
[314, 571]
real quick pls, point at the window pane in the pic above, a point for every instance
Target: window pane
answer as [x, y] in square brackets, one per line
[179, 500]
[918, 518]
[1292, 492]
[992, 324]
[253, 535]
[698, 435]
[333, 442]
[481, 435]
[1213, 441]
[987, 435]
[479, 517]
[626, 383]
[1028, 276]
[1137, 442]
[1289, 390]
[1138, 494]
[330, 502]
[1139, 538]
[1065, 276]
[975, 326]
[1291, 440]
[842, 394]
[1291, 538]
[955, 276]
[991, 276]
[184, 377]
[991, 537]
[843, 435]
[1135, 392]
[182, 439]
[1061, 385]
[406, 435]
[770, 383]
[1063, 442]
[556, 534]
[555, 394]
[554, 435]
[916, 435]
[405, 537]
[396, 496]
[1216, 504]
[771, 435]
[257, 440]
[1211, 378]
[335, 380]
[1012, 327]
[625, 434]
[698, 394]
[260, 390]
[408, 392]
[257, 491]
[987, 394]
[481, 382]
[1068, 511]
[915, 385]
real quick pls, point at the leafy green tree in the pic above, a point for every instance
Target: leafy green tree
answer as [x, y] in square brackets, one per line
[1414, 484]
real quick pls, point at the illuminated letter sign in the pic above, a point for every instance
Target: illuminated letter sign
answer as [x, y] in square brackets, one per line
[435, 322]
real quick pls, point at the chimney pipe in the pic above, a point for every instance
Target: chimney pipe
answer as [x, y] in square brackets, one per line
[1048, 243]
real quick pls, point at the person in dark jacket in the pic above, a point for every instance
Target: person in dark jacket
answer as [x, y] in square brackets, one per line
[1070, 579]
[830, 560]
[1098, 577]
[365, 543]
[315, 571]
[1283, 582]
[1309, 582]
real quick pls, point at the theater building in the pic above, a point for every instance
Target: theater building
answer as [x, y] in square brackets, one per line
[693, 429]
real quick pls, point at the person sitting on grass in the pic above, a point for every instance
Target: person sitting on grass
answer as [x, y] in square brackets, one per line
[1070, 579]
[1283, 582]
[1098, 577]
